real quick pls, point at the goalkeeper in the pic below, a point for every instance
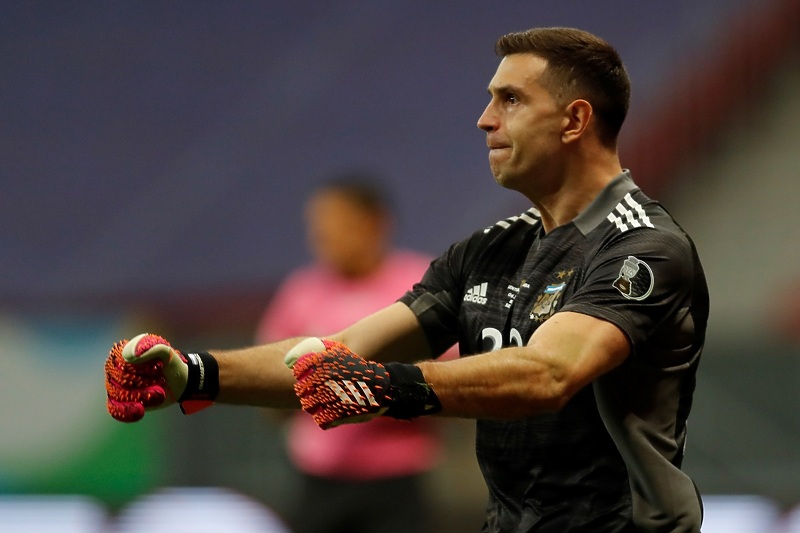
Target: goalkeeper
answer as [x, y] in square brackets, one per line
[580, 322]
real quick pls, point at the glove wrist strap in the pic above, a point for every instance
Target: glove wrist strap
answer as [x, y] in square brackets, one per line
[411, 395]
[202, 385]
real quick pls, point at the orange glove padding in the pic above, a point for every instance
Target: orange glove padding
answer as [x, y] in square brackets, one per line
[147, 373]
[336, 386]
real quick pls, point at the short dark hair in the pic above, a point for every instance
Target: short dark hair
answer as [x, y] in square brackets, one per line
[363, 188]
[579, 65]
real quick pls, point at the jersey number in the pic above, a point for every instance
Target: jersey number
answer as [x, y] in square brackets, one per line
[493, 339]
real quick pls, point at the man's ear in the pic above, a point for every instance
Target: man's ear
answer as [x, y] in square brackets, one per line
[579, 114]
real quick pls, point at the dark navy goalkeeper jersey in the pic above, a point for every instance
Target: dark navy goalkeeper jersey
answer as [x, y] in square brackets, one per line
[610, 459]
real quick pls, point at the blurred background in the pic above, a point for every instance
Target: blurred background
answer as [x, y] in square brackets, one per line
[154, 160]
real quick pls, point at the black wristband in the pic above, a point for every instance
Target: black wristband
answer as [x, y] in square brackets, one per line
[203, 381]
[411, 396]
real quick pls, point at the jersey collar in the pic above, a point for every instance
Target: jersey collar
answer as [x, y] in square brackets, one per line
[605, 202]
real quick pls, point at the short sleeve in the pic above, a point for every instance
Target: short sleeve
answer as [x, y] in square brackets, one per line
[434, 299]
[637, 281]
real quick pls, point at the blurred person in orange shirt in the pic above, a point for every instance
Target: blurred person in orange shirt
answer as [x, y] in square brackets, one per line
[367, 476]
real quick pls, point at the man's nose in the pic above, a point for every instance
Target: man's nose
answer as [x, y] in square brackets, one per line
[487, 121]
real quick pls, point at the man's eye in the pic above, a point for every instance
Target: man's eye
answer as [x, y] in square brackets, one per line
[512, 99]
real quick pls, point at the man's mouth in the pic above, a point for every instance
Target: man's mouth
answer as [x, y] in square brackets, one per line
[493, 144]
[497, 148]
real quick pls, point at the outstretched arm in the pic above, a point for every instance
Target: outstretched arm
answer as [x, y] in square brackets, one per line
[258, 375]
[566, 353]
[147, 373]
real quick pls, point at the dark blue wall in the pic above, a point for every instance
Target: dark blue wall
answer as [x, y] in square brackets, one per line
[168, 146]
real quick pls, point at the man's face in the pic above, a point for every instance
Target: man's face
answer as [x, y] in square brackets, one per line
[342, 234]
[523, 124]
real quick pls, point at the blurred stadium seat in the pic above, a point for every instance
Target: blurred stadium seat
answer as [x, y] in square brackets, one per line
[53, 514]
[199, 510]
[739, 514]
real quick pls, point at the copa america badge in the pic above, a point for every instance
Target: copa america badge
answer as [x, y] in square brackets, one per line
[635, 280]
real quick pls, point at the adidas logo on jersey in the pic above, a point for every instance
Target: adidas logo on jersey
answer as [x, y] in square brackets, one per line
[531, 216]
[629, 214]
[477, 294]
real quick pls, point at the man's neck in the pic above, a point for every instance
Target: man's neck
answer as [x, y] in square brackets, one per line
[576, 189]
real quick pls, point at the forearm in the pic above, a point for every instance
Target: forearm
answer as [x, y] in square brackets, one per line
[505, 384]
[565, 354]
[257, 376]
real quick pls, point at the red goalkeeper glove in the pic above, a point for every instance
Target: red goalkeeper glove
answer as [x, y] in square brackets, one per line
[336, 386]
[147, 373]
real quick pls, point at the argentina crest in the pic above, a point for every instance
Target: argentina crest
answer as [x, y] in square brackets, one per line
[547, 302]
